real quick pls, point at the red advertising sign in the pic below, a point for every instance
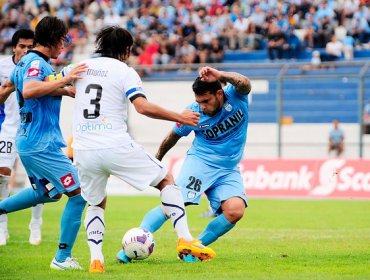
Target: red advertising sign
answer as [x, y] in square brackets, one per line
[306, 178]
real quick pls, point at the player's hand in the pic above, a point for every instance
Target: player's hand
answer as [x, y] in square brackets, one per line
[190, 118]
[209, 74]
[76, 73]
[70, 91]
[5, 90]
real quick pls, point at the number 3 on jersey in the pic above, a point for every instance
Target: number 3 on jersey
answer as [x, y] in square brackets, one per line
[90, 89]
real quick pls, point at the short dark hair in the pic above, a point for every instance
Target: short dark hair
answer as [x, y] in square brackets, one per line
[114, 41]
[200, 87]
[22, 34]
[49, 31]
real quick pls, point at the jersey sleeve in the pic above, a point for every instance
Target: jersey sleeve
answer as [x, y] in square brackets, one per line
[133, 85]
[36, 70]
[231, 91]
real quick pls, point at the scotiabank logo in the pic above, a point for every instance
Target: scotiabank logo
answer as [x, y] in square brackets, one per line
[307, 178]
[333, 178]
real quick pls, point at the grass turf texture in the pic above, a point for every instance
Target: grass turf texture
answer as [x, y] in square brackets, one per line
[277, 239]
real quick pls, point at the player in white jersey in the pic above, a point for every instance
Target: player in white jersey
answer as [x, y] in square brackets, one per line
[103, 147]
[22, 41]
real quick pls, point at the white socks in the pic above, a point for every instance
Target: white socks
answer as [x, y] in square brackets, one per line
[95, 229]
[4, 189]
[174, 208]
[36, 219]
[4, 193]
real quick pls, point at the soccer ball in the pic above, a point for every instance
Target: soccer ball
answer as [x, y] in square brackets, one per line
[138, 243]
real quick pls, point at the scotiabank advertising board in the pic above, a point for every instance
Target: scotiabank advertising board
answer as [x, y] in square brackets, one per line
[306, 178]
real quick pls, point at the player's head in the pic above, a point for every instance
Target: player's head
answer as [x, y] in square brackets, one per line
[115, 42]
[51, 32]
[22, 41]
[209, 95]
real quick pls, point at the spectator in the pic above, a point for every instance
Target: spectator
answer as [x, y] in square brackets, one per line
[276, 41]
[293, 45]
[349, 43]
[333, 50]
[216, 54]
[187, 52]
[366, 118]
[336, 139]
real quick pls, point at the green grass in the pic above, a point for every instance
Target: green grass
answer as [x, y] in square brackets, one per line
[277, 239]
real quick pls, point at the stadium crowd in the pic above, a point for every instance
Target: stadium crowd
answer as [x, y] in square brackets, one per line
[183, 31]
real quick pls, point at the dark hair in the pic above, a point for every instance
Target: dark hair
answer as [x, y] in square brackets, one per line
[200, 87]
[49, 31]
[114, 41]
[22, 34]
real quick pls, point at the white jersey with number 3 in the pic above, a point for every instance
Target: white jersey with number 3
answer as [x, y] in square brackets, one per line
[102, 95]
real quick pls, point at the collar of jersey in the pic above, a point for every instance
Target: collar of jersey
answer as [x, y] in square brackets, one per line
[39, 54]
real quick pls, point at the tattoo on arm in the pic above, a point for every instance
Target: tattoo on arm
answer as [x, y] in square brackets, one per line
[167, 144]
[241, 82]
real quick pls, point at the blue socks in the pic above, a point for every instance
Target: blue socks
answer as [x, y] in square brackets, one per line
[216, 228]
[154, 219]
[24, 199]
[69, 226]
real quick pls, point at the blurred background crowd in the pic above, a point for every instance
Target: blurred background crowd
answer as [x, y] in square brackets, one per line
[182, 31]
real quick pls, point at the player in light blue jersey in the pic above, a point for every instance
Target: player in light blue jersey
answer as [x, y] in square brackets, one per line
[211, 162]
[39, 139]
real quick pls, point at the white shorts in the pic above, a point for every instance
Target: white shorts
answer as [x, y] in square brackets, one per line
[8, 151]
[129, 163]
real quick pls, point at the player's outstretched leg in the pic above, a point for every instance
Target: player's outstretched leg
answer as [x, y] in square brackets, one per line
[35, 224]
[95, 229]
[69, 226]
[152, 221]
[174, 208]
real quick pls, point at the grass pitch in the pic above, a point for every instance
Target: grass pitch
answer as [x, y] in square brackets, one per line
[276, 239]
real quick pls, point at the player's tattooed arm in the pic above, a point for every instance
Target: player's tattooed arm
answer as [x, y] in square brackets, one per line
[167, 144]
[239, 81]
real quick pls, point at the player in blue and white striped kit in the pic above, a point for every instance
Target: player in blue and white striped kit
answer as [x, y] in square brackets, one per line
[211, 162]
[39, 139]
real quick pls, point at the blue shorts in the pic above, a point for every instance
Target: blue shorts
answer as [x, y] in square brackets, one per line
[219, 184]
[51, 172]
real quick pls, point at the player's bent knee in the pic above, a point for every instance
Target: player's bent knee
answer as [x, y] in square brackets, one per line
[234, 215]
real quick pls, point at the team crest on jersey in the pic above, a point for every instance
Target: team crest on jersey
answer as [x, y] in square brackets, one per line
[191, 194]
[228, 107]
[35, 64]
[67, 180]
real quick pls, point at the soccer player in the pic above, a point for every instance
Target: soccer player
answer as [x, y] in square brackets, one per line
[210, 165]
[103, 147]
[39, 139]
[22, 41]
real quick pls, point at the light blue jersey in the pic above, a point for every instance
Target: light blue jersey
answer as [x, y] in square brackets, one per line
[220, 139]
[39, 129]
[210, 166]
